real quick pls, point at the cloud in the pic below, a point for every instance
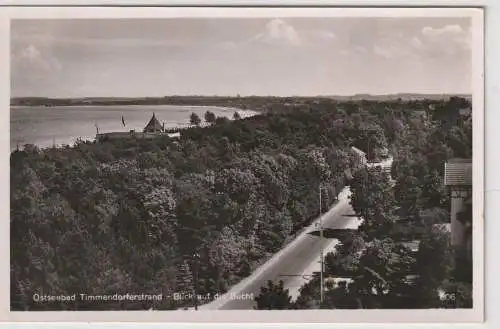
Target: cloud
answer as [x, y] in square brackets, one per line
[281, 33]
[395, 51]
[228, 45]
[447, 30]
[277, 32]
[30, 53]
[319, 35]
[449, 39]
[31, 57]
[396, 45]
[48, 39]
[30, 64]
[416, 43]
[384, 52]
[344, 52]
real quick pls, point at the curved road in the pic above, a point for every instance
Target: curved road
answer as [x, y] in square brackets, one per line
[298, 258]
[289, 263]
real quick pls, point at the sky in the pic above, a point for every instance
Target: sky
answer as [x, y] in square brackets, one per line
[246, 56]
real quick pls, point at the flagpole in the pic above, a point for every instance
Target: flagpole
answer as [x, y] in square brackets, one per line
[321, 250]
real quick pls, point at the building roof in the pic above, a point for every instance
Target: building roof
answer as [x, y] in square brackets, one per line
[458, 172]
[153, 125]
[358, 151]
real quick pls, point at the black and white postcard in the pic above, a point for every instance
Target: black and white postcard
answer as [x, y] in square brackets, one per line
[211, 164]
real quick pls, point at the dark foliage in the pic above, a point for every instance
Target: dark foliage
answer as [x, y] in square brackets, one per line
[273, 297]
[387, 273]
[124, 216]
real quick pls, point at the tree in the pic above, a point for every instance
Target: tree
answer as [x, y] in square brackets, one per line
[194, 119]
[371, 193]
[409, 196]
[273, 176]
[345, 261]
[184, 278]
[370, 137]
[194, 210]
[273, 297]
[434, 257]
[226, 255]
[459, 139]
[435, 215]
[236, 116]
[210, 117]
[373, 199]
[448, 111]
[221, 120]
[381, 280]
[238, 183]
[340, 297]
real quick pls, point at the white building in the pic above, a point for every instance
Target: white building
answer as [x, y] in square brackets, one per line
[360, 156]
[458, 179]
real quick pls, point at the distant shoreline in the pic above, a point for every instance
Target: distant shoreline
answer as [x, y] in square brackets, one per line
[101, 105]
[242, 102]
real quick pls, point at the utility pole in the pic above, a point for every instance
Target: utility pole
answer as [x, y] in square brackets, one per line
[321, 243]
[196, 258]
[368, 150]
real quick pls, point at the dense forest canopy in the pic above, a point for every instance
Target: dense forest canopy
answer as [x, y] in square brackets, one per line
[400, 212]
[127, 215]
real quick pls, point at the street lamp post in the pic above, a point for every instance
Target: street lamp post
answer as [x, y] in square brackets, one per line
[196, 258]
[368, 151]
[321, 243]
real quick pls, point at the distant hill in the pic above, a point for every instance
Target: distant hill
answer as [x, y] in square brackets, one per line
[216, 100]
[402, 96]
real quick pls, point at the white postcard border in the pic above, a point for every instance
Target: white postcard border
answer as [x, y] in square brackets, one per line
[307, 316]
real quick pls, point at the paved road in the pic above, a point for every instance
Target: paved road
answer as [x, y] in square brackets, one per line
[295, 258]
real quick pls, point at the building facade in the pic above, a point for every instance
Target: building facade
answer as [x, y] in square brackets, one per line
[360, 156]
[153, 129]
[458, 180]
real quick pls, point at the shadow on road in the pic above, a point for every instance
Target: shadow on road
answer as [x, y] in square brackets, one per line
[350, 215]
[332, 233]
